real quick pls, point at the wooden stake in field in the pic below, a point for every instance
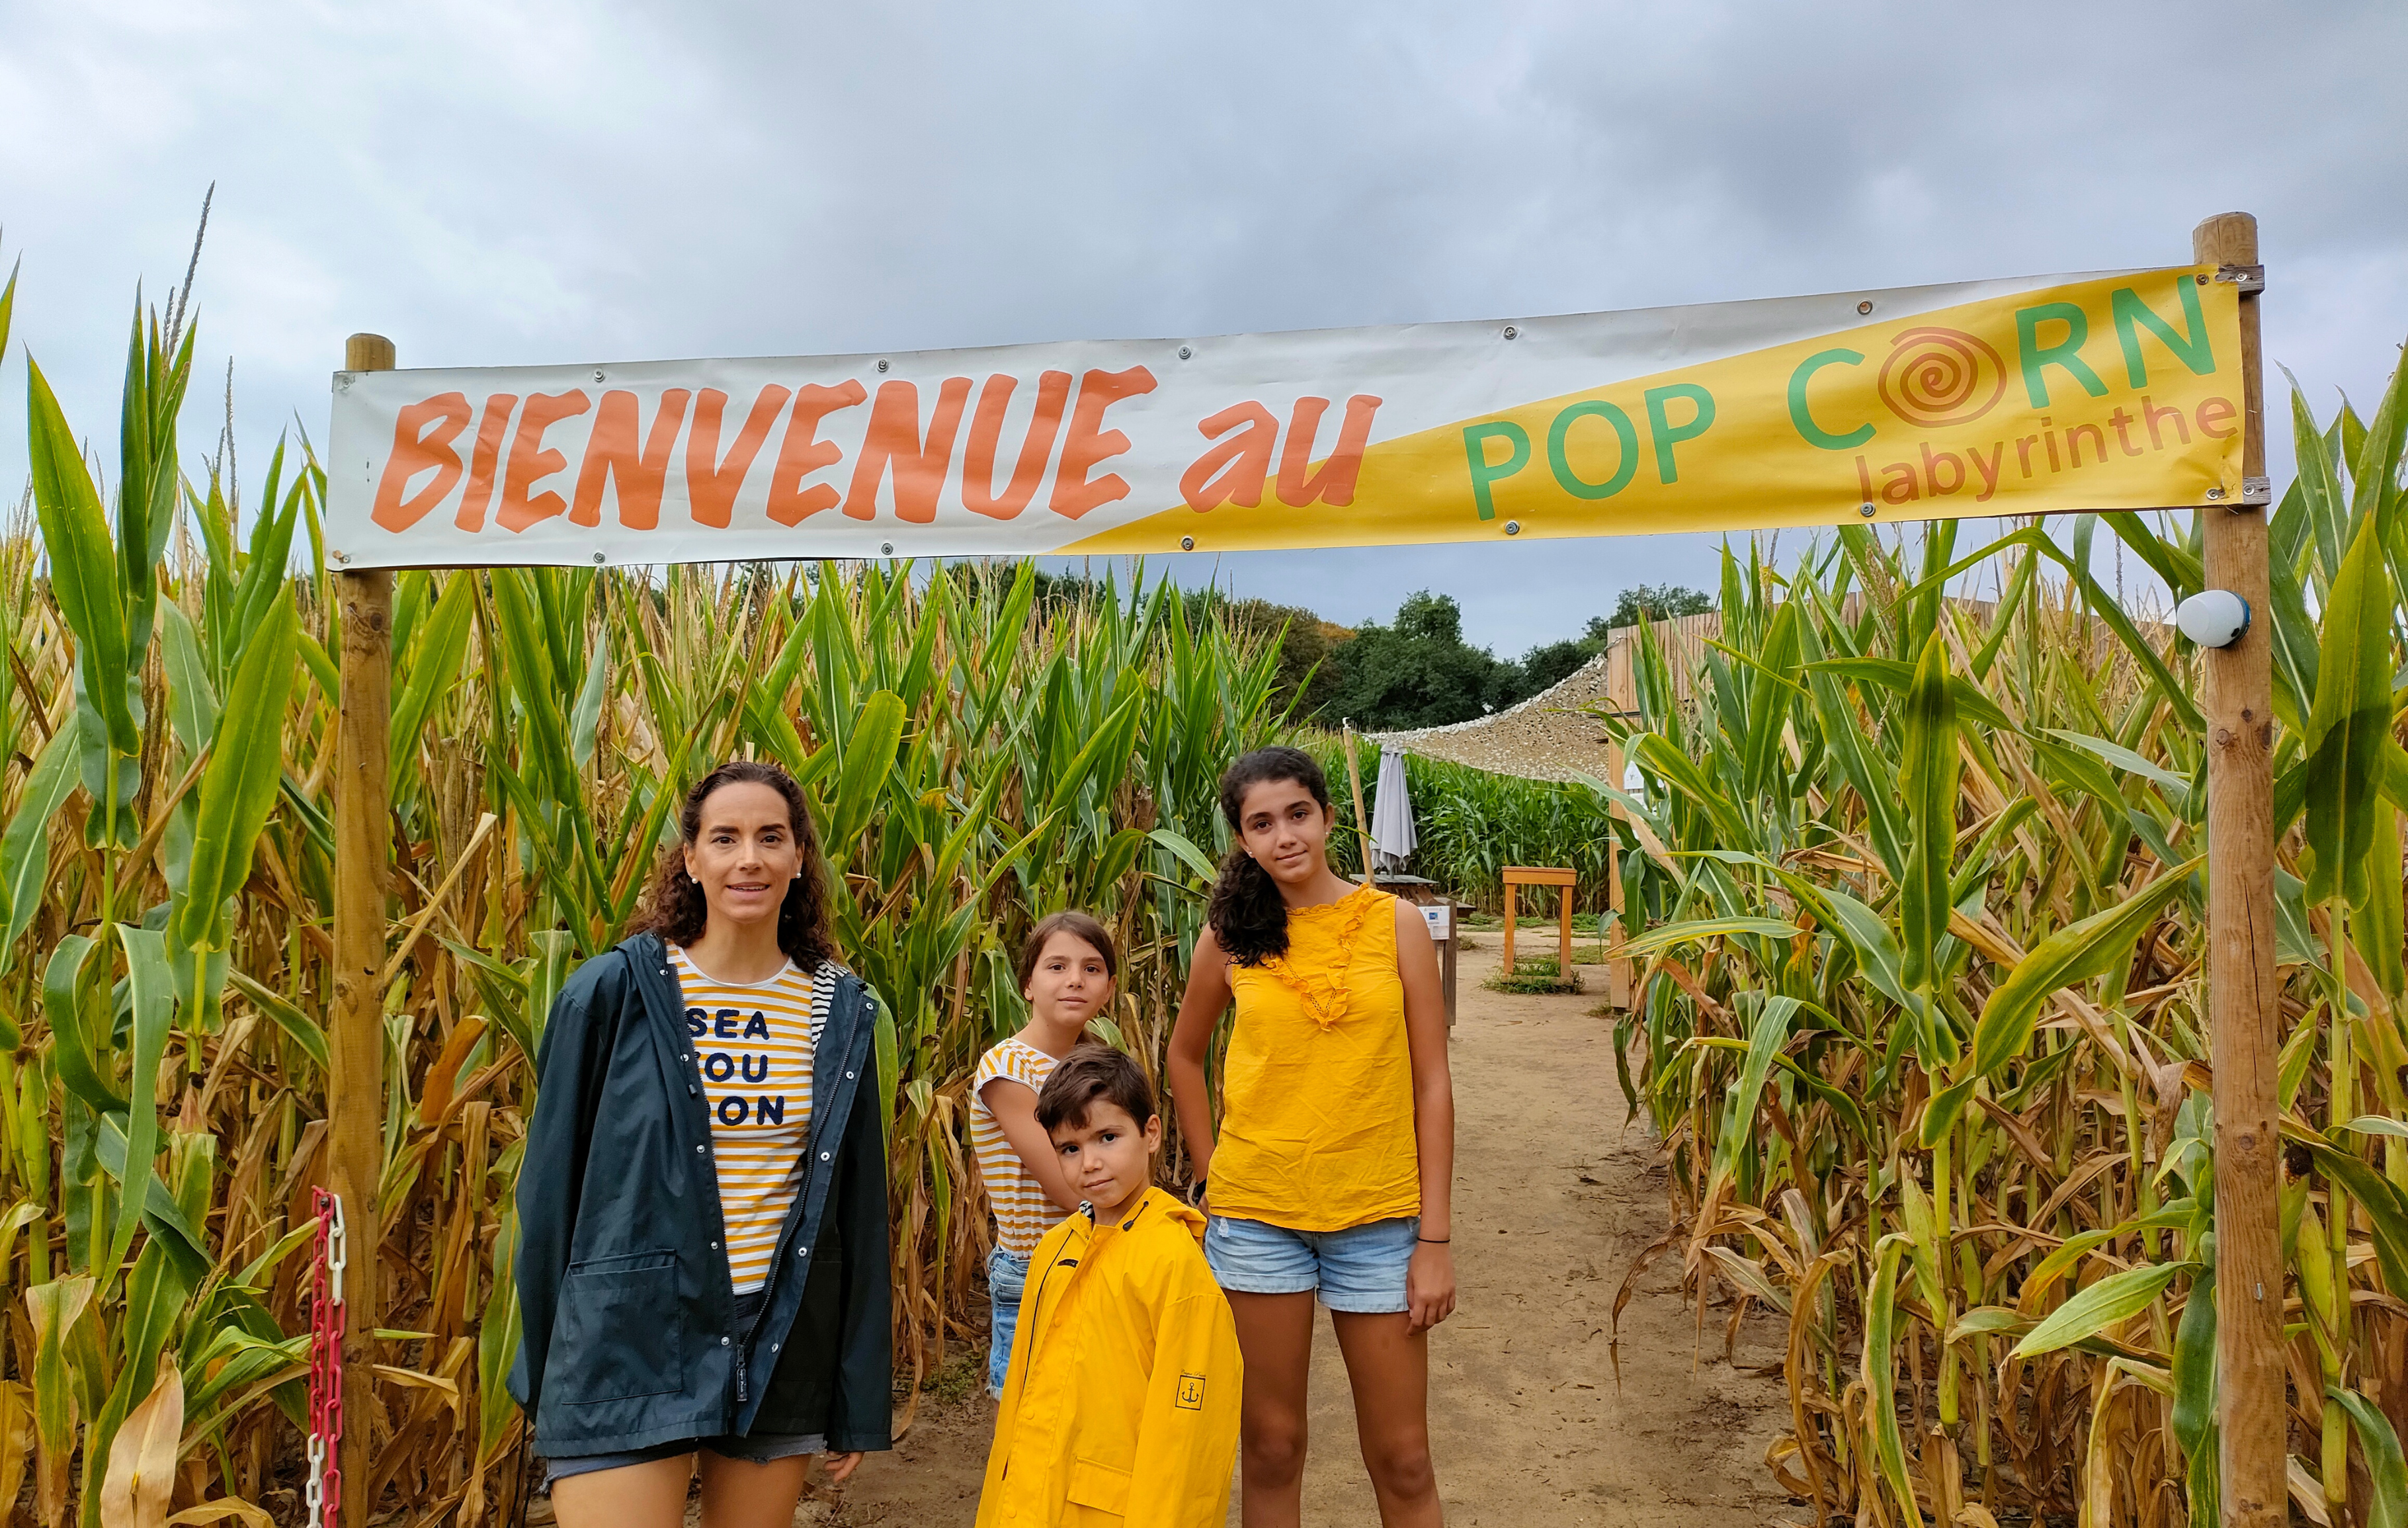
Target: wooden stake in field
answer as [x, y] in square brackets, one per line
[2242, 985]
[355, 1080]
[1362, 824]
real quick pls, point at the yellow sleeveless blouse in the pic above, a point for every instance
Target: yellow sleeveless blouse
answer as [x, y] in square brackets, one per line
[1317, 1126]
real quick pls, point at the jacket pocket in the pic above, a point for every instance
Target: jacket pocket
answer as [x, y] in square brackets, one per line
[1098, 1485]
[622, 1332]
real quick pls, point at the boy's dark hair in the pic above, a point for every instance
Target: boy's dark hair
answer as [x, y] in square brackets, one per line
[1090, 1073]
[1248, 914]
[1078, 925]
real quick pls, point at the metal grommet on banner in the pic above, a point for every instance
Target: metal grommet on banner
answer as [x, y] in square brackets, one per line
[1185, 354]
[1187, 544]
[1510, 331]
[1513, 527]
[882, 366]
[886, 549]
[1865, 510]
[1865, 306]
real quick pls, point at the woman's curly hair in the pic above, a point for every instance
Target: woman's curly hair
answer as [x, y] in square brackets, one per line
[675, 908]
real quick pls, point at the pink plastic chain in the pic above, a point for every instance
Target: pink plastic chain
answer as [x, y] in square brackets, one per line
[332, 1252]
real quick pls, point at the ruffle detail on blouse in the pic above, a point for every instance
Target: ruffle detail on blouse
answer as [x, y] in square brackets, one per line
[1322, 986]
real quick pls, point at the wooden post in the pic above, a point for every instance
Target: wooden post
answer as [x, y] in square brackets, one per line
[1362, 824]
[2243, 989]
[1622, 694]
[355, 1080]
[1563, 941]
[1512, 894]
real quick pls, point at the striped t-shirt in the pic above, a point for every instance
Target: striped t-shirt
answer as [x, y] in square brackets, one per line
[1023, 1214]
[753, 1042]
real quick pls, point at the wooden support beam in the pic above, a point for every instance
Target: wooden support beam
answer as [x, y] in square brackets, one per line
[355, 1080]
[2243, 987]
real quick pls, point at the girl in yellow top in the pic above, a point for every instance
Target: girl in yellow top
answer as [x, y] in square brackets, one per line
[1331, 1169]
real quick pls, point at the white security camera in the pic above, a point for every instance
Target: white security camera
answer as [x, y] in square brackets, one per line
[2212, 617]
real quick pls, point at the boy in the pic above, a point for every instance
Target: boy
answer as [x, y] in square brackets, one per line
[1121, 1405]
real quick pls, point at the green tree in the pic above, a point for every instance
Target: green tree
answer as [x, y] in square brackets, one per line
[1649, 602]
[1418, 671]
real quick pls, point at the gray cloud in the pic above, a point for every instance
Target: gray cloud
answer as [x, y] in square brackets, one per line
[488, 184]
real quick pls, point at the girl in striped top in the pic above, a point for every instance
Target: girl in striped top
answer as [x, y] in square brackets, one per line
[1066, 970]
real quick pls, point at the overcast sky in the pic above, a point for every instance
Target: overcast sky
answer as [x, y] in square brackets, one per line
[491, 184]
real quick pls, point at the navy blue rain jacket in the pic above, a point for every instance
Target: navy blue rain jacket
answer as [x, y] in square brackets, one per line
[630, 1336]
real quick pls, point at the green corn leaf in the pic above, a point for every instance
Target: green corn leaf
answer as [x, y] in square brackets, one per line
[56, 1308]
[2177, 788]
[2111, 1299]
[2384, 1462]
[870, 751]
[25, 847]
[239, 785]
[2194, 1366]
[1187, 853]
[2377, 1198]
[2351, 717]
[585, 721]
[1765, 1043]
[2073, 953]
[63, 982]
[161, 1213]
[83, 562]
[1683, 933]
[151, 986]
[1881, 1373]
[192, 698]
[434, 668]
[1927, 775]
[303, 1030]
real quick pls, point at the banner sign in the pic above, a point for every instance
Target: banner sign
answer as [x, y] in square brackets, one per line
[2026, 396]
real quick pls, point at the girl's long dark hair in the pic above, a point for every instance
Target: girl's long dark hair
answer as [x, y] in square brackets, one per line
[1248, 914]
[675, 908]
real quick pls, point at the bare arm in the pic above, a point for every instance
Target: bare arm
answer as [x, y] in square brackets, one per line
[1014, 1106]
[1429, 1296]
[1191, 1044]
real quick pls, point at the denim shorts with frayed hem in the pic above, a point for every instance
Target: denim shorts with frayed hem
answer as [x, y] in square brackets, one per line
[1359, 1270]
[1007, 1275]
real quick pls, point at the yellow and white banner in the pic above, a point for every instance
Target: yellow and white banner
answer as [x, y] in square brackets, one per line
[2023, 397]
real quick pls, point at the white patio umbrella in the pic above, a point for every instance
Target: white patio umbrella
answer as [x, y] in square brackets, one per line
[1392, 813]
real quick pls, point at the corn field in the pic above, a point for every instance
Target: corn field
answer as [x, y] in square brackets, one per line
[1922, 1022]
[1469, 824]
[167, 722]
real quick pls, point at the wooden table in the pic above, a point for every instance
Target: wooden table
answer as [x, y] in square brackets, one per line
[1521, 875]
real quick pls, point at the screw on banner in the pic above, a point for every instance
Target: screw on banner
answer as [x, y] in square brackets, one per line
[324, 1488]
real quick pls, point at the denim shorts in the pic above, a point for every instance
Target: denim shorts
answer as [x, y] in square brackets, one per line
[753, 1447]
[1007, 1275]
[1359, 1270]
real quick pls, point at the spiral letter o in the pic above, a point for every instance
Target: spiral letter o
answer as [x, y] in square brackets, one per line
[1936, 377]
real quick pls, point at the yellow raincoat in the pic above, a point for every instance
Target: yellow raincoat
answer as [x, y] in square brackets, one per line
[1121, 1406]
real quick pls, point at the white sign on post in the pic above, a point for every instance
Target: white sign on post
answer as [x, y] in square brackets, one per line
[1441, 918]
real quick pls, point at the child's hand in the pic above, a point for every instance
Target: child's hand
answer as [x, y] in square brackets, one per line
[839, 1466]
[1430, 1286]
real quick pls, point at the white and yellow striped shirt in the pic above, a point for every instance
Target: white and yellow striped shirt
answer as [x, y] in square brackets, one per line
[753, 1042]
[1023, 1214]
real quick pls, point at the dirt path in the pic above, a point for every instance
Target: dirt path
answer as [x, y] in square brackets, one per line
[1553, 1200]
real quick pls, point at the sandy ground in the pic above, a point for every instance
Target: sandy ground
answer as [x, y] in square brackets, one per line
[1553, 1200]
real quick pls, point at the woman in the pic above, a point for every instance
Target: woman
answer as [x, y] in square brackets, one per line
[1330, 1174]
[702, 1265]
